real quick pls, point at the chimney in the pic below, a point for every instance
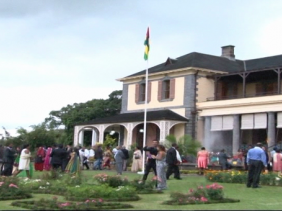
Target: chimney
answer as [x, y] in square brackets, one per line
[228, 52]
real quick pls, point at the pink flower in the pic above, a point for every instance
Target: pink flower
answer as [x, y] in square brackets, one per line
[93, 201]
[1, 183]
[101, 200]
[87, 201]
[200, 187]
[203, 199]
[191, 190]
[13, 185]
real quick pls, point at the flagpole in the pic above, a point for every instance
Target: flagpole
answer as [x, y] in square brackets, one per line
[145, 118]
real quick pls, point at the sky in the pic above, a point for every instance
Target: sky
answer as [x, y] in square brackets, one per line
[59, 52]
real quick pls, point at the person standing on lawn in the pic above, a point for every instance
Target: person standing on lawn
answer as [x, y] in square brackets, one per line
[202, 160]
[161, 166]
[222, 157]
[256, 159]
[151, 162]
[172, 162]
[9, 158]
[126, 156]
[119, 157]
[98, 158]
[58, 155]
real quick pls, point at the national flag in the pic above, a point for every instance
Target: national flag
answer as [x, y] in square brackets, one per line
[147, 45]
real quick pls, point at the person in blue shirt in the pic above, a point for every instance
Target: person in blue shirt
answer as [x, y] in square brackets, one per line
[256, 159]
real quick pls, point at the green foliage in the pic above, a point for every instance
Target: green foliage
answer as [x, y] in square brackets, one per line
[10, 188]
[71, 115]
[271, 179]
[112, 181]
[187, 145]
[85, 192]
[53, 204]
[109, 141]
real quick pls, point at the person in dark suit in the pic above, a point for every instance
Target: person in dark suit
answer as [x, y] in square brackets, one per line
[222, 157]
[171, 160]
[151, 163]
[58, 155]
[98, 157]
[9, 158]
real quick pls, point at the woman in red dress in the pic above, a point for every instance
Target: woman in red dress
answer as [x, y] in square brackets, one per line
[203, 160]
[39, 159]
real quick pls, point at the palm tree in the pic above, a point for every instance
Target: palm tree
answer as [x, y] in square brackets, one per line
[186, 144]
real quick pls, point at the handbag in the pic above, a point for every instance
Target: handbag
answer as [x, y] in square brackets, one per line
[38, 159]
[136, 157]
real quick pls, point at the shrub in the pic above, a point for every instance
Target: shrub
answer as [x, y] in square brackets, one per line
[53, 204]
[112, 181]
[10, 188]
[85, 192]
[241, 177]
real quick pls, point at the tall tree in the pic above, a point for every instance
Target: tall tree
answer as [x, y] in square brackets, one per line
[71, 115]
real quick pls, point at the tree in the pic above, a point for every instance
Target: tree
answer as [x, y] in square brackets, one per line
[71, 115]
[187, 145]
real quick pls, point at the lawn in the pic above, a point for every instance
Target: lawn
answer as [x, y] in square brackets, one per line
[265, 198]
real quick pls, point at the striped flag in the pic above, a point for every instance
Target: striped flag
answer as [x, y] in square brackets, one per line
[147, 45]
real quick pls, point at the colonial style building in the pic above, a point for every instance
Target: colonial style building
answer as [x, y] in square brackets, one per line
[219, 100]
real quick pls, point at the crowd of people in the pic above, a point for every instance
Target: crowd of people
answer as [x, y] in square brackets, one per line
[163, 162]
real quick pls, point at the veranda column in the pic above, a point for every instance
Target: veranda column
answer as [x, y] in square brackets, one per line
[236, 134]
[206, 143]
[271, 129]
[94, 137]
[129, 135]
[101, 134]
[81, 136]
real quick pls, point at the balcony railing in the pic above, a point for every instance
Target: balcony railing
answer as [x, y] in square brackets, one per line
[231, 97]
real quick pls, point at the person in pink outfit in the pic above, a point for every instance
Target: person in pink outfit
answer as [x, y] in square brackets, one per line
[47, 165]
[277, 161]
[202, 160]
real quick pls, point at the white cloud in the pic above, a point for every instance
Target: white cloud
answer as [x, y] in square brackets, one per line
[269, 37]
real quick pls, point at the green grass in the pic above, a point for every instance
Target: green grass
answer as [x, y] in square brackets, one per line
[265, 198]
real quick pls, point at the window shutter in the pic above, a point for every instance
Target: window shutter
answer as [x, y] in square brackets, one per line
[279, 120]
[259, 89]
[137, 92]
[172, 89]
[149, 92]
[247, 121]
[260, 121]
[216, 123]
[160, 90]
[227, 122]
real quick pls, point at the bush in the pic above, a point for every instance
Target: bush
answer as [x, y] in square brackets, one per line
[84, 192]
[241, 177]
[53, 204]
[112, 181]
[10, 188]
[143, 187]
[201, 195]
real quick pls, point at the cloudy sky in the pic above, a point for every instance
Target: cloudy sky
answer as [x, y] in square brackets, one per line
[58, 52]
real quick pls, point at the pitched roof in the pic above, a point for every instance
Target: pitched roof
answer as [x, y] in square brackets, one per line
[211, 62]
[138, 116]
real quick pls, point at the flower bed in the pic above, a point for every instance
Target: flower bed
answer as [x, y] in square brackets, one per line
[145, 187]
[43, 204]
[241, 177]
[84, 192]
[189, 171]
[201, 195]
[44, 186]
[112, 181]
[10, 189]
